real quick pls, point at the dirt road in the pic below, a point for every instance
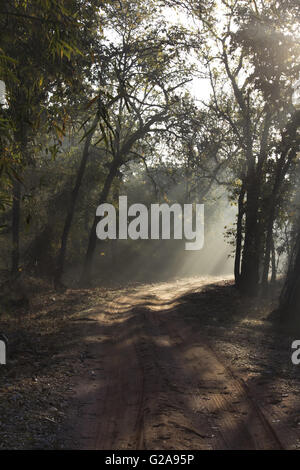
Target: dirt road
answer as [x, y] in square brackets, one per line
[154, 379]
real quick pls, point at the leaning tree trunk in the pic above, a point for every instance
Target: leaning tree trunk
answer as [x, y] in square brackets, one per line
[71, 210]
[86, 273]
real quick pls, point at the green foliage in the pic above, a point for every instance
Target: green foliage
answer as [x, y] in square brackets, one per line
[119, 74]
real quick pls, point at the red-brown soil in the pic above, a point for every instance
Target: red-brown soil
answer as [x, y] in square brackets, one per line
[185, 364]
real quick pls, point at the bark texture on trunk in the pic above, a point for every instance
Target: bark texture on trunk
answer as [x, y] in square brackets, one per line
[71, 209]
[239, 237]
[21, 139]
[249, 278]
[15, 256]
[86, 273]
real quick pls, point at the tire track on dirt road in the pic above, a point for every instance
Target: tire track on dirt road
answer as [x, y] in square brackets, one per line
[160, 385]
[231, 408]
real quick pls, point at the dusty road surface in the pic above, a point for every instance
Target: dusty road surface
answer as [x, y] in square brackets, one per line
[155, 378]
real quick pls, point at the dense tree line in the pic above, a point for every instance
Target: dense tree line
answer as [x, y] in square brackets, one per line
[96, 89]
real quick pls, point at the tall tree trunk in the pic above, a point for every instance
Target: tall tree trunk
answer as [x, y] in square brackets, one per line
[16, 227]
[289, 306]
[21, 145]
[290, 296]
[274, 267]
[249, 279]
[289, 150]
[239, 237]
[71, 209]
[86, 273]
[281, 171]
[268, 247]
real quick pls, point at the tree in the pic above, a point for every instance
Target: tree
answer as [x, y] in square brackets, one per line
[252, 52]
[147, 69]
[32, 74]
[290, 297]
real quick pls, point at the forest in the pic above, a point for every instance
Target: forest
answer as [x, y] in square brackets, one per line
[140, 342]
